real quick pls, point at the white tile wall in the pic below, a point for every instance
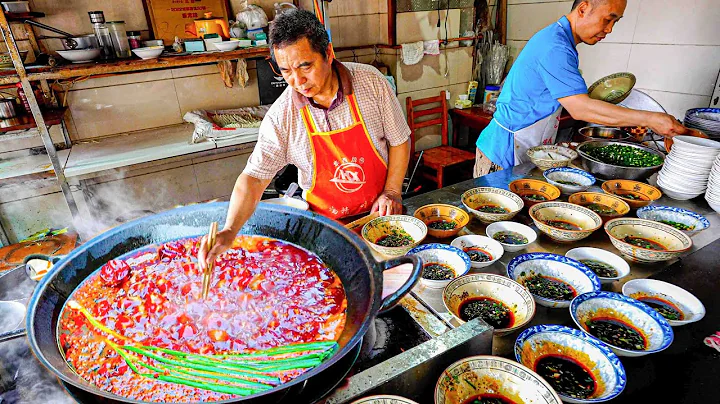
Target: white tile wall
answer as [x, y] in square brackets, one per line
[422, 26]
[676, 104]
[599, 60]
[524, 20]
[687, 22]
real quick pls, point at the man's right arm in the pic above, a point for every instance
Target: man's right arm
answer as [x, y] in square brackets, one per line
[584, 108]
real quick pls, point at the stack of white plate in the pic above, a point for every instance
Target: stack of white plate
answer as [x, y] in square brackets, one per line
[686, 171]
[713, 191]
[704, 119]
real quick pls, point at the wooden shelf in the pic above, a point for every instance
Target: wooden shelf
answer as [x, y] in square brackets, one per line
[25, 122]
[19, 17]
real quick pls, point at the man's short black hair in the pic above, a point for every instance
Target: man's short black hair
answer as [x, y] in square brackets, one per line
[293, 25]
[577, 3]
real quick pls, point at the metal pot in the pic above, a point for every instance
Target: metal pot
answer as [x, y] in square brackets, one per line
[343, 251]
[70, 41]
[607, 171]
[7, 108]
[603, 133]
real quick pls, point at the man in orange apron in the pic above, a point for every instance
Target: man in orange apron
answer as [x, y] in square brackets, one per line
[340, 124]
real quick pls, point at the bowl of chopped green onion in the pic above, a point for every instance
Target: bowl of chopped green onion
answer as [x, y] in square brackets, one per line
[491, 205]
[394, 235]
[442, 220]
[610, 160]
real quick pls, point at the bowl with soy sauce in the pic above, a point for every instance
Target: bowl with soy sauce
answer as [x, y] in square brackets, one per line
[677, 305]
[490, 205]
[607, 266]
[533, 192]
[441, 264]
[501, 302]
[646, 241]
[607, 206]
[630, 327]
[492, 379]
[394, 235]
[442, 220]
[512, 236]
[553, 280]
[565, 222]
[682, 219]
[580, 368]
[483, 251]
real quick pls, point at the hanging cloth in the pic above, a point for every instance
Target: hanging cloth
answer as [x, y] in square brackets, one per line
[431, 47]
[412, 53]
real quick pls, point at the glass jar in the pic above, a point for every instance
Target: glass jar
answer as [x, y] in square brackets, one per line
[134, 39]
[119, 39]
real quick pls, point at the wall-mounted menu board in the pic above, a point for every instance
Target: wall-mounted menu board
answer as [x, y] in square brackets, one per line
[168, 18]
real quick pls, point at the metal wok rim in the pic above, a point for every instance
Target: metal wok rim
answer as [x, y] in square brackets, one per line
[342, 352]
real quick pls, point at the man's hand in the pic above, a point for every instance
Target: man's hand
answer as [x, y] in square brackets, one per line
[388, 203]
[223, 242]
[666, 125]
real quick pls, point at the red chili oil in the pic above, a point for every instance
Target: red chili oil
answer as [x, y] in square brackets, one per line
[562, 224]
[666, 308]
[478, 254]
[617, 332]
[488, 398]
[492, 311]
[567, 376]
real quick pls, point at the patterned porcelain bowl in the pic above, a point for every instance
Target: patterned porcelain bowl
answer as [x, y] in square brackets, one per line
[483, 251]
[554, 270]
[384, 399]
[439, 217]
[533, 192]
[605, 205]
[493, 377]
[662, 295]
[494, 288]
[550, 156]
[477, 199]
[666, 242]
[583, 254]
[445, 255]
[564, 221]
[526, 231]
[596, 308]
[682, 219]
[636, 194]
[398, 227]
[540, 344]
[569, 180]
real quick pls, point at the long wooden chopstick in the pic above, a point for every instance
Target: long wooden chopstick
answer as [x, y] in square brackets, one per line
[207, 274]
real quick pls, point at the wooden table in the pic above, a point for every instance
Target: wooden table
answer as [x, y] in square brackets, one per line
[477, 119]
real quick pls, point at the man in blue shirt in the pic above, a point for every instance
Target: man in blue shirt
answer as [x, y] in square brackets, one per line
[545, 78]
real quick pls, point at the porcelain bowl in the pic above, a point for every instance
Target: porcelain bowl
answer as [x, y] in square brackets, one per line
[556, 176]
[226, 46]
[484, 245]
[511, 294]
[584, 218]
[551, 156]
[484, 374]
[634, 193]
[383, 226]
[80, 55]
[589, 253]
[656, 331]
[527, 189]
[654, 291]
[482, 196]
[611, 201]
[525, 231]
[444, 254]
[541, 341]
[675, 241]
[441, 212]
[384, 399]
[558, 267]
[664, 214]
[150, 52]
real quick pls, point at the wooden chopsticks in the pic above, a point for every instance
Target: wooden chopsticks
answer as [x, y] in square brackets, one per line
[207, 274]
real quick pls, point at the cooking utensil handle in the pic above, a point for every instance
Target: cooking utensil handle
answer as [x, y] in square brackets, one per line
[390, 301]
[49, 28]
[20, 332]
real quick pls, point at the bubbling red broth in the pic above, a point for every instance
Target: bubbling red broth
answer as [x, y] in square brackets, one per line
[266, 294]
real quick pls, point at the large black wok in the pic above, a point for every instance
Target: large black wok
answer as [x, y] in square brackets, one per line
[340, 249]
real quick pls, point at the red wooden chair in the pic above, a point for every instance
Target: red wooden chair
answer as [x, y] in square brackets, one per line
[438, 158]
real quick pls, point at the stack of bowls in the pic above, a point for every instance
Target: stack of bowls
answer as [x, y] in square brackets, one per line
[712, 195]
[704, 119]
[687, 168]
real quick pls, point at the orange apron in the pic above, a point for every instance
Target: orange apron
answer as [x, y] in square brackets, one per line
[349, 173]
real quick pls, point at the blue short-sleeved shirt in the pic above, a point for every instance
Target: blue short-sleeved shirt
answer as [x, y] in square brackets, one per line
[546, 70]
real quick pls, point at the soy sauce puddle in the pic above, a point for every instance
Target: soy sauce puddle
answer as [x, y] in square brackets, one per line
[487, 398]
[667, 309]
[493, 312]
[567, 376]
[617, 333]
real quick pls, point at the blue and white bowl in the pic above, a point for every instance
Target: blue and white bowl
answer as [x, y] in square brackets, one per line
[655, 329]
[567, 174]
[543, 340]
[572, 272]
[668, 213]
[444, 254]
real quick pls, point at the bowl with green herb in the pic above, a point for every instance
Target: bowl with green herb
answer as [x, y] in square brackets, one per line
[442, 220]
[607, 266]
[441, 264]
[491, 205]
[607, 206]
[682, 219]
[483, 251]
[677, 305]
[646, 241]
[630, 327]
[512, 236]
[552, 279]
[569, 180]
[501, 302]
[394, 235]
[635, 193]
[609, 160]
[546, 157]
[565, 222]
[533, 191]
